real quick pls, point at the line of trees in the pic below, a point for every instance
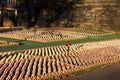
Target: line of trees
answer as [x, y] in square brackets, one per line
[44, 10]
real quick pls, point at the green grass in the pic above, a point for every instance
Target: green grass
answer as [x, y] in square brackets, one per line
[30, 44]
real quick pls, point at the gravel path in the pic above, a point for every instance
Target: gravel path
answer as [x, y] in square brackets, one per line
[107, 73]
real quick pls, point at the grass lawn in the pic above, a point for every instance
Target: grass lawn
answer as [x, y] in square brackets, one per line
[30, 44]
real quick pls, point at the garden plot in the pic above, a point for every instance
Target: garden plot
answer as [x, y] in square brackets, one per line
[55, 61]
[42, 36]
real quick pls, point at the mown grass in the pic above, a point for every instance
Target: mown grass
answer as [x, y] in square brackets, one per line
[31, 44]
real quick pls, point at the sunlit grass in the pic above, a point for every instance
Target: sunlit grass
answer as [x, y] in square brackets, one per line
[31, 44]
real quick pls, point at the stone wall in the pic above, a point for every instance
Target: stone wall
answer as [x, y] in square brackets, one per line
[93, 13]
